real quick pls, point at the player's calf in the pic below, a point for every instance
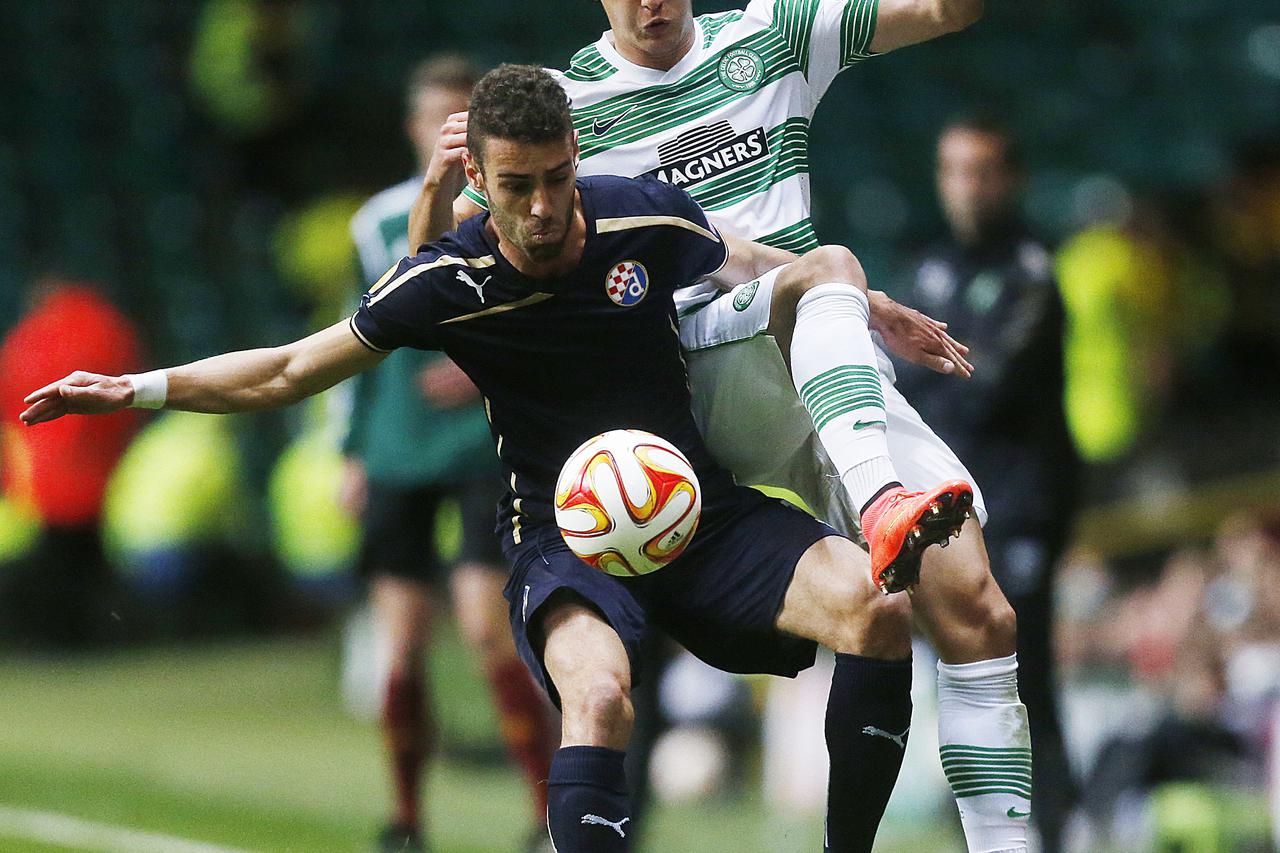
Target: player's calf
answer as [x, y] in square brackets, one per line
[588, 809]
[959, 605]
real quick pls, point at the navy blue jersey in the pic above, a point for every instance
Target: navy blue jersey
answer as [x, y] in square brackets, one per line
[562, 359]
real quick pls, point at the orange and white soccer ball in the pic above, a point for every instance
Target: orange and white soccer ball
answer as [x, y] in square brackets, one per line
[627, 502]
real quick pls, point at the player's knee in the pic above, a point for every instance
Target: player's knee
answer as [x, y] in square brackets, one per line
[1000, 623]
[827, 264]
[992, 619]
[484, 637]
[823, 265]
[881, 628]
[599, 711]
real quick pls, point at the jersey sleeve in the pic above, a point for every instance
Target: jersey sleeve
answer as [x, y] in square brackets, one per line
[699, 250]
[474, 196]
[399, 310]
[826, 36]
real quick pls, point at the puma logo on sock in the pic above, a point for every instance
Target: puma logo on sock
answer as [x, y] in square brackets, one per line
[900, 740]
[588, 819]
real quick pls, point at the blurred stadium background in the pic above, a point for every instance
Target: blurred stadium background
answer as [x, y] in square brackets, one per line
[199, 162]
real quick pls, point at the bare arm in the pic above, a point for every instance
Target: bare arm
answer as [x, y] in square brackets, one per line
[903, 22]
[432, 213]
[747, 260]
[234, 382]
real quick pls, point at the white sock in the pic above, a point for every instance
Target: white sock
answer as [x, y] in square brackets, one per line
[833, 365]
[985, 746]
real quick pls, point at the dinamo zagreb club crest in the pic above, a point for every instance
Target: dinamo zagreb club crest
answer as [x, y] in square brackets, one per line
[741, 69]
[627, 283]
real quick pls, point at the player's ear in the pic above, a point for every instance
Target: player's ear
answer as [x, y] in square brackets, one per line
[471, 167]
[576, 149]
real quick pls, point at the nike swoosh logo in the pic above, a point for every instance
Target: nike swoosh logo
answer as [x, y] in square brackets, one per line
[1012, 812]
[600, 128]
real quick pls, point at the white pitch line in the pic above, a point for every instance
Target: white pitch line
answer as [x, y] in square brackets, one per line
[53, 828]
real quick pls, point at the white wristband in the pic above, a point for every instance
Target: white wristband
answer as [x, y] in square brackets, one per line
[150, 389]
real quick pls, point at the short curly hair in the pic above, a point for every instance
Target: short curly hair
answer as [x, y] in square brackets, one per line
[518, 102]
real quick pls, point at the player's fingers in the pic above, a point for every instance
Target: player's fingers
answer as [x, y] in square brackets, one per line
[45, 409]
[939, 364]
[50, 390]
[453, 141]
[956, 345]
[962, 367]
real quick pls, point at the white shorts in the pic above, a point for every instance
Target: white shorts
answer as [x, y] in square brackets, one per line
[755, 425]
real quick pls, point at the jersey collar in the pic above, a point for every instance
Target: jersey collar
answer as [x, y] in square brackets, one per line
[652, 75]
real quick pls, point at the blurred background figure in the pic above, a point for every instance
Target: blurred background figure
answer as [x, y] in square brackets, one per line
[419, 446]
[62, 596]
[992, 282]
[1178, 678]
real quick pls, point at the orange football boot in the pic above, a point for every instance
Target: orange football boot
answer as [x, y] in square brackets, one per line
[899, 525]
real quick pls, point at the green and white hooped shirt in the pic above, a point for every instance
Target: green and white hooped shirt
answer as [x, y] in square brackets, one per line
[729, 123]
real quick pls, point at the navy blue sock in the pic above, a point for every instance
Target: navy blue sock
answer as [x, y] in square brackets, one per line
[868, 717]
[588, 810]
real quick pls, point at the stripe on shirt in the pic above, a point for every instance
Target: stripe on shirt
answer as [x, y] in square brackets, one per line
[625, 223]
[382, 288]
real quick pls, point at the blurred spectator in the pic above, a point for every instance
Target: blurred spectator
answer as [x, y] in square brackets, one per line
[1246, 222]
[992, 282]
[61, 469]
[419, 440]
[1203, 642]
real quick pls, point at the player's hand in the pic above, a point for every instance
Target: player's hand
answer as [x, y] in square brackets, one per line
[445, 385]
[353, 491]
[444, 171]
[79, 393]
[917, 337]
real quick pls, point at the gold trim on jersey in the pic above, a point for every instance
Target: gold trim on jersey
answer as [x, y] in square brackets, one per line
[515, 512]
[498, 309]
[624, 223]
[360, 336]
[382, 288]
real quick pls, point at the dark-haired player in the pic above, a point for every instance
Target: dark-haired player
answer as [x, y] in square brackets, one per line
[419, 438]
[525, 300]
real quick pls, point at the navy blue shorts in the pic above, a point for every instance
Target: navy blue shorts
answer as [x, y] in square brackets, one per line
[719, 599]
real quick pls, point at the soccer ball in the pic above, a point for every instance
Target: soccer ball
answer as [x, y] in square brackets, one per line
[627, 502]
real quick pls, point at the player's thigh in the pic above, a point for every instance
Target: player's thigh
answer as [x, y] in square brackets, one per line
[479, 572]
[589, 665]
[832, 600]
[958, 603]
[921, 458]
[756, 427]
[545, 574]
[405, 611]
[481, 611]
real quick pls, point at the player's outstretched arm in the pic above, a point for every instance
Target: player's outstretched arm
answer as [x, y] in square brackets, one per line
[903, 22]
[234, 382]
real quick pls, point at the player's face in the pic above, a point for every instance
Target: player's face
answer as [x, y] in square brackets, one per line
[652, 33]
[978, 187]
[530, 188]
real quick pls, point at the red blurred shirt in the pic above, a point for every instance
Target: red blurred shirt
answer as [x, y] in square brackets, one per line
[61, 468]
